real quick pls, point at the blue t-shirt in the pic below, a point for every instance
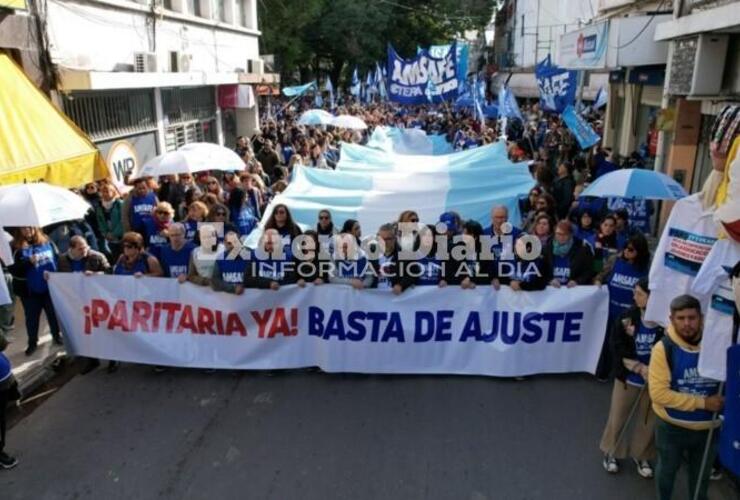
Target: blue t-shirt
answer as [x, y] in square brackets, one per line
[46, 261]
[232, 270]
[154, 240]
[140, 266]
[175, 262]
[245, 220]
[5, 368]
[429, 270]
[141, 209]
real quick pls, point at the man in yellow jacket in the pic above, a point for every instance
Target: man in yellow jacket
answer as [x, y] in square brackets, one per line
[682, 399]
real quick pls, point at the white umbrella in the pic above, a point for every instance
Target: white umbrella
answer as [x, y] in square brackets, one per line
[348, 121]
[39, 204]
[636, 183]
[189, 159]
[316, 117]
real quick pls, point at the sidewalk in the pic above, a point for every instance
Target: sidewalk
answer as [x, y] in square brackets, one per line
[31, 371]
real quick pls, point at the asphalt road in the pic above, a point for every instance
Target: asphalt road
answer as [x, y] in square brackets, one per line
[185, 434]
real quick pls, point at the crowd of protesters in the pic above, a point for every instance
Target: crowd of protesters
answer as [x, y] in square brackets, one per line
[192, 228]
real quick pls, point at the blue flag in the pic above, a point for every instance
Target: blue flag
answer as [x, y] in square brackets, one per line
[408, 78]
[298, 89]
[507, 105]
[585, 135]
[729, 447]
[557, 86]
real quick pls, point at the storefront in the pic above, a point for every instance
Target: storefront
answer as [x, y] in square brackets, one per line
[190, 115]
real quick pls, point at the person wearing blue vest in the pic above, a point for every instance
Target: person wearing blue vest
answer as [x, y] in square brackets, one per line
[138, 206]
[35, 257]
[269, 266]
[631, 342]
[156, 226]
[241, 212]
[683, 401]
[584, 228]
[568, 261]
[175, 257]
[426, 269]
[505, 235]
[8, 392]
[135, 261]
[621, 273]
[228, 271]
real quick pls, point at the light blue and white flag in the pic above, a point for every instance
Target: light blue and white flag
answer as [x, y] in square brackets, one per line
[407, 141]
[328, 87]
[355, 88]
[602, 97]
[298, 89]
[318, 101]
[585, 135]
[380, 82]
[430, 90]
[507, 105]
[469, 182]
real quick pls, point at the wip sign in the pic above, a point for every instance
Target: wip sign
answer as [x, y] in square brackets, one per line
[411, 80]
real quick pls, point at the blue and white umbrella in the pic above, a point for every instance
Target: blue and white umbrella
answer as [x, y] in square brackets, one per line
[636, 183]
[316, 117]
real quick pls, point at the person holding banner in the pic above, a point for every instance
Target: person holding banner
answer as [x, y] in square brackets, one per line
[683, 401]
[388, 269]
[270, 266]
[632, 340]
[135, 260]
[568, 261]
[350, 265]
[228, 271]
[156, 226]
[175, 257]
[203, 258]
[80, 258]
[309, 263]
[34, 258]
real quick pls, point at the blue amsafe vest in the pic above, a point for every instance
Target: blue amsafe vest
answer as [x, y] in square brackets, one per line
[685, 378]
[621, 284]
[351, 268]
[140, 266]
[644, 342]
[141, 209]
[46, 261]
[561, 269]
[191, 229]
[232, 270]
[430, 272]
[269, 268]
[175, 263]
[245, 221]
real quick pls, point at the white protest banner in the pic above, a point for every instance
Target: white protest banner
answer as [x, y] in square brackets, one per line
[426, 330]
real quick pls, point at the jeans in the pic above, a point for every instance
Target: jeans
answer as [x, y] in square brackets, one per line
[33, 304]
[673, 443]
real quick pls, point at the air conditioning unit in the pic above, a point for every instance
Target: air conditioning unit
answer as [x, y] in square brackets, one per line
[255, 66]
[698, 64]
[145, 62]
[180, 62]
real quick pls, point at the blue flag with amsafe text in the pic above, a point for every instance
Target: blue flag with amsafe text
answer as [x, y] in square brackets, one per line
[585, 135]
[408, 79]
[557, 86]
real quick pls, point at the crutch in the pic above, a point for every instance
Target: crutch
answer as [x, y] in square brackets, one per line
[705, 457]
[627, 422]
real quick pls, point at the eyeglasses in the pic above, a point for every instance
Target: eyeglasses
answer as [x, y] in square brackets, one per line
[414, 220]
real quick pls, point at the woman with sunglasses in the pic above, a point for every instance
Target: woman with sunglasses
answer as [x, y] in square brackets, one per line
[220, 214]
[35, 257]
[282, 221]
[197, 213]
[326, 231]
[135, 261]
[155, 228]
[621, 273]
[213, 186]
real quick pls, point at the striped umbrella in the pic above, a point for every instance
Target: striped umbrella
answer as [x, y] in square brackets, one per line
[636, 183]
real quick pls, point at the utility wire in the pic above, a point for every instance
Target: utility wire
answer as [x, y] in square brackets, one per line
[639, 33]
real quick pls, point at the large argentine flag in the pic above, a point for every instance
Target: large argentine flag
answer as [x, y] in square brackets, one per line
[469, 182]
[408, 142]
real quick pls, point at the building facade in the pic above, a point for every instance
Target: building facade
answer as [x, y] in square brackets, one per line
[702, 75]
[142, 77]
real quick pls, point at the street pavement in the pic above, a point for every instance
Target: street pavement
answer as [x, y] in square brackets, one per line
[186, 434]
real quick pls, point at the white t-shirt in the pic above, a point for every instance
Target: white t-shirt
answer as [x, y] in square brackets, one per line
[713, 287]
[687, 238]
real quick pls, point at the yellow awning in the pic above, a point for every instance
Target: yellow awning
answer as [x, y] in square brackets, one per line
[13, 4]
[37, 141]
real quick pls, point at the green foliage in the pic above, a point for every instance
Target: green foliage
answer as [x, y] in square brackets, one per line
[315, 36]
